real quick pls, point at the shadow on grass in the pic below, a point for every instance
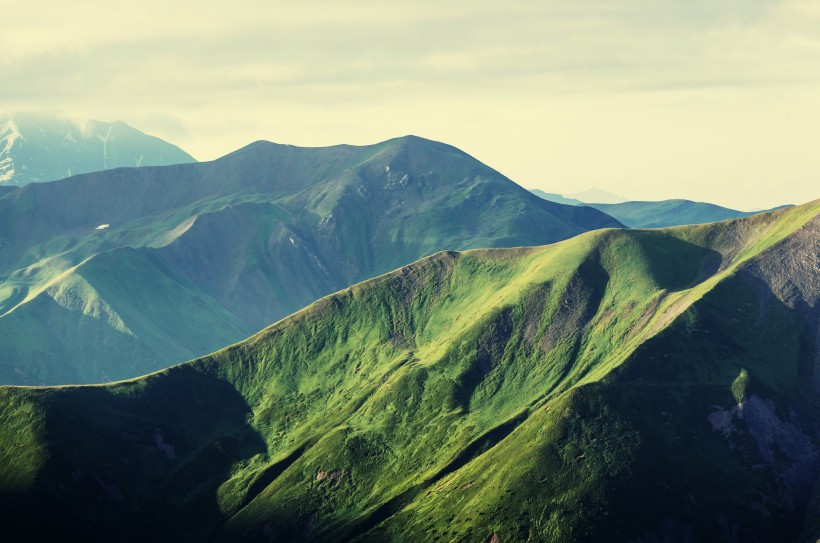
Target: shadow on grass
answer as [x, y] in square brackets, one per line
[138, 461]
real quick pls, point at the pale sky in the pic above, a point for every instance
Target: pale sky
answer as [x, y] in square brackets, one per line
[714, 100]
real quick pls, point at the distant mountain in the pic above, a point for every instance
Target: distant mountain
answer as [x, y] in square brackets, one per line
[623, 385]
[597, 195]
[670, 213]
[552, 197]
[35, 147]
[658, 214]
[114, 274]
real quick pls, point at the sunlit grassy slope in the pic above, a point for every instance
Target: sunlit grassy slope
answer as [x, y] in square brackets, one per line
[621, 385]
[115, 274]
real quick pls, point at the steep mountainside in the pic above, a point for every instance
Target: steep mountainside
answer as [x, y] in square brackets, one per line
[115, 274]
[6, 189]
[618, 386]
[36, 147]
[659, 214]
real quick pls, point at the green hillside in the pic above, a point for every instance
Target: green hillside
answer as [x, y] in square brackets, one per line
[116, 274]
[618, 386]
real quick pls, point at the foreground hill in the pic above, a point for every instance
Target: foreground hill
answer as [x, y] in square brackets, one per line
[115, 274]
[35, 147]
[619, 386]
[660, 214]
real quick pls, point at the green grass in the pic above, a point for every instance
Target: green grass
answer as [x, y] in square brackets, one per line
[556, 393]
[200, 255]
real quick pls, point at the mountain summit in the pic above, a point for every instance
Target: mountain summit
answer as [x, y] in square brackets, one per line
[36, 147]
[114, 274]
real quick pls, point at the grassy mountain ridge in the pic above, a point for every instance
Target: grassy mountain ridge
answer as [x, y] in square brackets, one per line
[223, 249]
[594, 389]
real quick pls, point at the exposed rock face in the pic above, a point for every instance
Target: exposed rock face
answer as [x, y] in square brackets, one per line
[783, 445]
[791, 269]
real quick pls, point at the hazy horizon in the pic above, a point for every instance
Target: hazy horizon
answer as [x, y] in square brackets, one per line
[649, 100]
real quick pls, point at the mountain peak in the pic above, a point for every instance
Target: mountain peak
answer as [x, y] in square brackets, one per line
[258, 146]
[594, 195]
[413, 141]
[41, 147]
[314, 219]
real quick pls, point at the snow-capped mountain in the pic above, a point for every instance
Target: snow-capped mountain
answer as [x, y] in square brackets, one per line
[36, 147]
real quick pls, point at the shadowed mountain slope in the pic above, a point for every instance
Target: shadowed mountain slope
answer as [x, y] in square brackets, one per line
[621, 385]
[115, 274]
[557, 198]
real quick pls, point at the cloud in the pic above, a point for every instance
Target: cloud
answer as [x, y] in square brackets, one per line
[212, 77]
[293, 51]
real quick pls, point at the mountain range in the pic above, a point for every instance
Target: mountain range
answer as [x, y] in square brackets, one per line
[39, 147]
[622, 385]
[657, 214]
[557, 198]
[114, 274]
[594, 194]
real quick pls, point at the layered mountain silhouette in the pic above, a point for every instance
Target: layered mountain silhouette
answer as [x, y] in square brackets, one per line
[658, 214]
[671, 213]
[623, 385]
[115, 274]
[39, 147]
[558, 198]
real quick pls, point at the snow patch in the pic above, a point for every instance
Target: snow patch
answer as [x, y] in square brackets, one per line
[319, 264]
[397, 180]
[104, 140]
[84, 126]
[10, 133]
[6, 175]
[325, 221]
